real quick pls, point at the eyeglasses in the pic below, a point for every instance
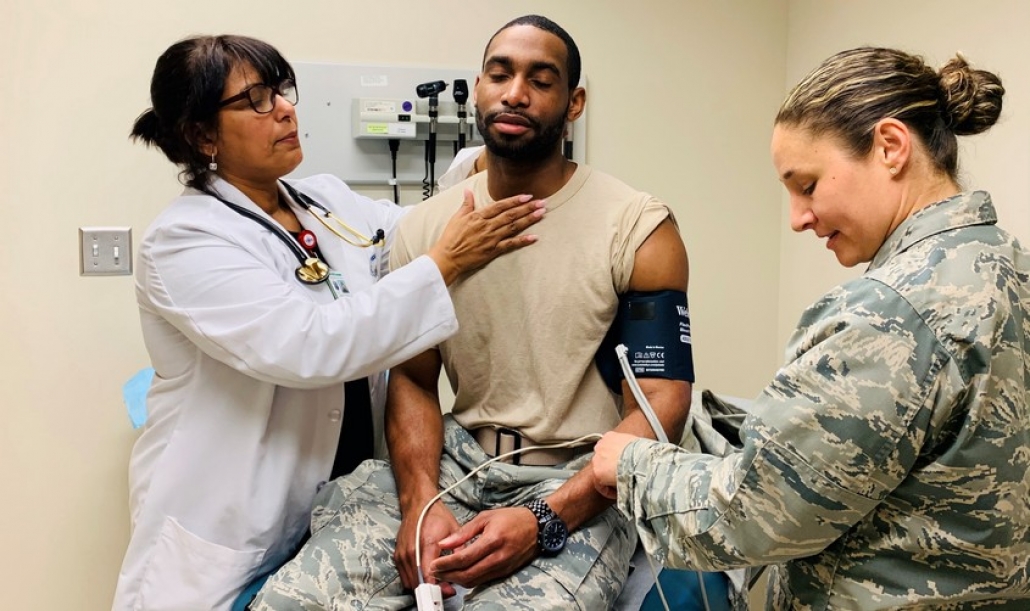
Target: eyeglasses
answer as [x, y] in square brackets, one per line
[262, 97]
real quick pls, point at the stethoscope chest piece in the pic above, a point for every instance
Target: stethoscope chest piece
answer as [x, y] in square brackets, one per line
[314, 271]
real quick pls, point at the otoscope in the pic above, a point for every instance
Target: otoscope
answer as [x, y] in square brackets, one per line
[431, 90]
[461, 95]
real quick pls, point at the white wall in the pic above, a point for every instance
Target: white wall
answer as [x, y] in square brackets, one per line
[991, 35]
[681, 100]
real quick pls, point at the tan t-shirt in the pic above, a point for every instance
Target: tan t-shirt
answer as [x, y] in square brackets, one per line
[531, 321]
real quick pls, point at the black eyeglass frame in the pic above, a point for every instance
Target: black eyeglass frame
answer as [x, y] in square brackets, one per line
[275, 91]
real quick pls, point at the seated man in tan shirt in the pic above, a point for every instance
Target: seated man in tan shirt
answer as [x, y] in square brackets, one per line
[530, 532]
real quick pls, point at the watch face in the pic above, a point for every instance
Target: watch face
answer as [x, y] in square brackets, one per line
[552, 537]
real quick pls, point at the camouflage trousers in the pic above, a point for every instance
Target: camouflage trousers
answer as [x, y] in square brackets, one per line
[348, 562]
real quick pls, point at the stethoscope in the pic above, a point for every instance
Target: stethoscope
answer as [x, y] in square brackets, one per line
[312, 270]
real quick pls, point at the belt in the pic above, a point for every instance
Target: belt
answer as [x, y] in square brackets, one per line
[500, 441]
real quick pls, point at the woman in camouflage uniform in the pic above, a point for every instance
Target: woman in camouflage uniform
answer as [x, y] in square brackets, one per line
[886, 464]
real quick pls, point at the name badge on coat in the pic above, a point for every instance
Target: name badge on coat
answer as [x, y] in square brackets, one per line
[336, 284]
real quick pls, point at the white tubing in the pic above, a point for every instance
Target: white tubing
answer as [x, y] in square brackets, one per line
[627, 371]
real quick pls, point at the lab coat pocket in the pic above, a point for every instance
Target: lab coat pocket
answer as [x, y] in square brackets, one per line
[188, 572]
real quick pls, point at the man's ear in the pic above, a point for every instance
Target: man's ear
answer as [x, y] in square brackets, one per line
[577, 102]
[892, 144]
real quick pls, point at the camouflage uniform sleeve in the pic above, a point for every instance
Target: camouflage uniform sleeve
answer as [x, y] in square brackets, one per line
[836, 431]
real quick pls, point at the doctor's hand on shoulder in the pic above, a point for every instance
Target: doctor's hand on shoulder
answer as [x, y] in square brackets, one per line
[473, 238]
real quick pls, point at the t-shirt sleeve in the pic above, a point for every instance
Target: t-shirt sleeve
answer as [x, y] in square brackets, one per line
[399, 252]
[639, 221]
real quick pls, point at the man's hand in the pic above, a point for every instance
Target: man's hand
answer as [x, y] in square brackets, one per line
[493, 545]
[605, 463]
[438, 524]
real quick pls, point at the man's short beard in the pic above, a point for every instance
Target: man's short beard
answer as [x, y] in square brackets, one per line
[542, 146]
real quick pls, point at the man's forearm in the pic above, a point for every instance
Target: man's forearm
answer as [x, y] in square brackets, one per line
[414, 436]
[415, 458]
[577, 501]
[670, 399]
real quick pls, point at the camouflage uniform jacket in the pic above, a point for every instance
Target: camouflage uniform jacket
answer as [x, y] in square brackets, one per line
[887, 463]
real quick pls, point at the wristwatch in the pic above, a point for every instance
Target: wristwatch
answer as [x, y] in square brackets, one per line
[552, 533]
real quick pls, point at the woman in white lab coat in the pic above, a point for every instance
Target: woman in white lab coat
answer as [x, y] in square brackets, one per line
[268, 326]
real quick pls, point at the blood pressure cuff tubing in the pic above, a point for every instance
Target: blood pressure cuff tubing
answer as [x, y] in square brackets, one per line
[655, 327]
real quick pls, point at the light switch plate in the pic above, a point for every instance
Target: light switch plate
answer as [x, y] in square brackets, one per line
[105, 251]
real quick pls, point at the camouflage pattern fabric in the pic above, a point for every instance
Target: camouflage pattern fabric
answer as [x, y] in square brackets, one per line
[887, 463]
[348, 562]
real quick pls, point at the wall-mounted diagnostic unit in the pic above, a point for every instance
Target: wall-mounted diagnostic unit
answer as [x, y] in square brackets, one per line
[369, 126]
[408, 119]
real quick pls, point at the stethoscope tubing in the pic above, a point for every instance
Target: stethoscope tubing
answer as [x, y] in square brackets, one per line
[298, 252]
[308, 203]
[312, 270]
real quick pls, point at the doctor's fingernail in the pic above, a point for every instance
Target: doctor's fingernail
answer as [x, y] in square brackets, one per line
[525, 198]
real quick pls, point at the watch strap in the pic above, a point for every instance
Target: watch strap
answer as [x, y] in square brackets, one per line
[542, 511]
[551, 531]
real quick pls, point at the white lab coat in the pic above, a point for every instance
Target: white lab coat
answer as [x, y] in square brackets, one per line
[461, 167]
[247, 398]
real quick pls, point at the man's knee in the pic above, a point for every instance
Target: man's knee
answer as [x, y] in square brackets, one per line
[349, 554]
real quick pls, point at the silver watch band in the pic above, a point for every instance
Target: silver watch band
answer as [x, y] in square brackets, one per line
[541, 510]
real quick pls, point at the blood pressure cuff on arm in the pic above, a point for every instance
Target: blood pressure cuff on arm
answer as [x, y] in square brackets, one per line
[655, 327]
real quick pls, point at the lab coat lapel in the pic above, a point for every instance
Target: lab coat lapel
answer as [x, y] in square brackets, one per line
[228, 192]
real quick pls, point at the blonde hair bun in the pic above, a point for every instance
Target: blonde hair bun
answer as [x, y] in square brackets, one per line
[972, 98]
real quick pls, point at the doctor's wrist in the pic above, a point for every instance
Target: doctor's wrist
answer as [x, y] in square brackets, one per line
[448, 268]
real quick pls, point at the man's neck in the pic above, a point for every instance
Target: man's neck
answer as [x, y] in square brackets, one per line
[507, 177]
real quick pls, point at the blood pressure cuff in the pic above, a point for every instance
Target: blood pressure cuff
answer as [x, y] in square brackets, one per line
[655, 327]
